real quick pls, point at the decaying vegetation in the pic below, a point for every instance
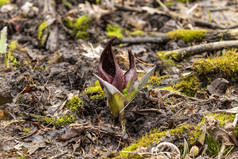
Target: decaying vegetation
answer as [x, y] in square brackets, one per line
[64, 92]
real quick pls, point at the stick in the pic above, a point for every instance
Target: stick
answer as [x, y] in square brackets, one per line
[138, 40]
[180, 54]
[128, 9]
[209, 36]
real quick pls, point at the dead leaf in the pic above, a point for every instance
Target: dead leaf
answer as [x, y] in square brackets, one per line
[5, 115]
[218, 86]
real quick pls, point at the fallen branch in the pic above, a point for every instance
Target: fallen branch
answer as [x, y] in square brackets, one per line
[180, 54]
[209, 36]
[128, 9]
[138, 40]
[76, 130]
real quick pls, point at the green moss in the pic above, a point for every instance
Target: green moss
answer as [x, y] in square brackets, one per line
[57, 122]
[170, 3]
[114, 31]
[81, 26]
[155, 80]
[170, 88]
[41, 37]
[186, 35]
[188, 85]
[193, 132]
[81, 35]
[22, 157]
[27, 130]
[78, 26]
[154, 136]
[137, 32]
[82, 22]
[3, 2]
[68, 23]
[168, 57]
[95, 91]
[13, 45]
[9, 57]
[225, 66]
[222, 117]
[64, 120]
[74, 104]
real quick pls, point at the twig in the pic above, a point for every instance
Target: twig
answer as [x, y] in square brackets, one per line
[223, 146]
[151, 110]
[159, 39]
[207, 24]
[58, 155]
[219, 9]
[128, 9]
[209, 36]
[180, 54]
[77, 129]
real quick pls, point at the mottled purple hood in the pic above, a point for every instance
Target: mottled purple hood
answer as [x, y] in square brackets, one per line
[110, 71]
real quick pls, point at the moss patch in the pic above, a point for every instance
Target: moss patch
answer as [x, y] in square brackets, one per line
[155, 80]
[193, 132]
[57, 122]
[170, 88]
[11, 48]
[222, 117]
[154, 136]
[170, 3]
[64, 120]
[3, 2]
[186, 35]
[95, 91]
[81, 26]
[114, 31]
[74, 104]
[26, 130]
[137, 33]
[188, 85]
[168, 57]
[78, 26]
[225, 66]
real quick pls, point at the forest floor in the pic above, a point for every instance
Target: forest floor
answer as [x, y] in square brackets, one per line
[52, 106]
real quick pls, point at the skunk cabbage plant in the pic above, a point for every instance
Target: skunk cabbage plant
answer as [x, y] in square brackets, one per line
[119, 87]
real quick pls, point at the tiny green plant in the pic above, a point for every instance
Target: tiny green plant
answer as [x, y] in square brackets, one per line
[3, 45]
[119, 87]
[8, 56]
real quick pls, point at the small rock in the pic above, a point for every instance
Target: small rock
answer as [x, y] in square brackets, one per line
[29, 10]
[7, 8]
[26, 8]
[218, 86]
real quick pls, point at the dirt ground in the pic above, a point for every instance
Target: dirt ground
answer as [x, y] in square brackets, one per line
[55, 46]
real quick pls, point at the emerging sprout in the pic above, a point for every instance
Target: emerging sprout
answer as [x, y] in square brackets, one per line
[120, 87]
